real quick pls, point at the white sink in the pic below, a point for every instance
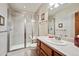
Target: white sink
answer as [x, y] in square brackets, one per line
[57, 42]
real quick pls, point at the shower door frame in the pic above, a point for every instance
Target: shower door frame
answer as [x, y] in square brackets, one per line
[25, 36]
[8, 40]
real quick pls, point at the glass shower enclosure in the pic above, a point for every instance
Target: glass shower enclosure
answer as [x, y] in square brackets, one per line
[22, 28]
[16, 35]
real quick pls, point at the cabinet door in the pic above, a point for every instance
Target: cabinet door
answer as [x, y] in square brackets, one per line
[46, 49]
[42, 53]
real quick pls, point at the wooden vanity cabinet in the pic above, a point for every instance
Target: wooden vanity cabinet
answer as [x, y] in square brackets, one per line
[48, 51]
[42, 53]
[38, 47]
[45, 50]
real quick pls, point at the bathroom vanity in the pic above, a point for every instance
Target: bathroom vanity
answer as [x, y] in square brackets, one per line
[45, 48]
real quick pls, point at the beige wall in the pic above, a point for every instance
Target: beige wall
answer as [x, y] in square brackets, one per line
[43, 26]
[3, 35]
[66, 16]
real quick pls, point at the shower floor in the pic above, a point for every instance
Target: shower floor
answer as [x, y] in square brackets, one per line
[23, 52]
[22, 46]
[17, 46]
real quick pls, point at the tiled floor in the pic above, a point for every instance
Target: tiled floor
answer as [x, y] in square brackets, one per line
[23, 52]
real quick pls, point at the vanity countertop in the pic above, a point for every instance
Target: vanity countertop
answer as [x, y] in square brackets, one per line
[70, 49]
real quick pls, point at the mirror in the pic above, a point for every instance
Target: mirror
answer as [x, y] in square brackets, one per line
[60, 25]
[51, 24]
[53, 9]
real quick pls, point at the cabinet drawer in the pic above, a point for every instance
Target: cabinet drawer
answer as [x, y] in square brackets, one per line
[42, 53]
[46, 49]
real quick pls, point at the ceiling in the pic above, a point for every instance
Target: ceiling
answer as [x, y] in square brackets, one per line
[56, 10]
[25, 7]
[62, 7]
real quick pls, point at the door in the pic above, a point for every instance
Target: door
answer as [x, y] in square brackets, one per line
[76, 23]
[16, 35]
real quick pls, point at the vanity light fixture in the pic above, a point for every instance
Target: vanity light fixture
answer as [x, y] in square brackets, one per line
[51, 4]
[54, 5]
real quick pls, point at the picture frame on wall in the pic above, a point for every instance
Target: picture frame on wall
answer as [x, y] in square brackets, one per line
[2, 21]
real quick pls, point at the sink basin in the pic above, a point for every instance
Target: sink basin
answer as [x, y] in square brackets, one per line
[57, 42]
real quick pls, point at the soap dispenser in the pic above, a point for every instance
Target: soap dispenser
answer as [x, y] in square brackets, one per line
[76, 40]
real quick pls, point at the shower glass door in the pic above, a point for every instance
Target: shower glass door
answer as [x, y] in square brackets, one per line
[16, 35]
[28, 31]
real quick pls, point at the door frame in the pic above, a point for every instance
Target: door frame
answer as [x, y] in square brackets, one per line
[8, 40]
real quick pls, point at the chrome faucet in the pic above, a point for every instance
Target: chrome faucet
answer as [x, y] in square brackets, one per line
[58, 38]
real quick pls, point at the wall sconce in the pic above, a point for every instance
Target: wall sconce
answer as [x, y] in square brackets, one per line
[60, 25]
[54, 5]
[2, 20]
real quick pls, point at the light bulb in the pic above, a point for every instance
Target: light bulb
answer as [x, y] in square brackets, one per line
[51, 4]
[56, 5]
